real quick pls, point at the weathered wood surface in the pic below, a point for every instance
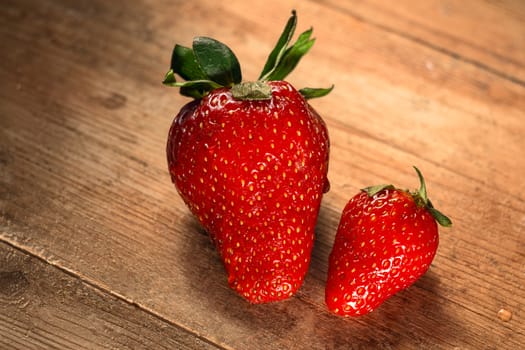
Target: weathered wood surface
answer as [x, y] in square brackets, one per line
[92, 226]
[44, 307]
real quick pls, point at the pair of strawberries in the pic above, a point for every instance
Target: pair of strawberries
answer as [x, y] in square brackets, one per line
[250, 160]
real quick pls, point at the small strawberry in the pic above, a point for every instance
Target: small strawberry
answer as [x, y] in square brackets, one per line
[386, 240]
[250, 160]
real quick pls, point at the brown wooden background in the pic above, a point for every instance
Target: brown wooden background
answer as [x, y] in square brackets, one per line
[97, 250]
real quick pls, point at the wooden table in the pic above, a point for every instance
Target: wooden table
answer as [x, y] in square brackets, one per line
[98, 251]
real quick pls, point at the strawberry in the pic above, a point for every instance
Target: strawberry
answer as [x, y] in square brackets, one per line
[250, 160]
[386, 240]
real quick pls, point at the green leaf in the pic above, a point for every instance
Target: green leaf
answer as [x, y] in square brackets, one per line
[184, 63]
[309, 93]
[217, 61]
[194, 88]
[169, 78]
[441, 218]
[279, 49]
[422, 186]
[373, 190]
[194, 91]
[200, 84]
[292, 56]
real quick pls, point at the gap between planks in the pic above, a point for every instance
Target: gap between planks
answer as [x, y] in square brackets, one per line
[104, 290]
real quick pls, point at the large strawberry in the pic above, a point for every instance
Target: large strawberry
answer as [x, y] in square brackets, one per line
[386, 240]
[250, 160]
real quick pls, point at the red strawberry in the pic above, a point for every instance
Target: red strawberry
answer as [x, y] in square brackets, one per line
[250, 161]
[386, 240]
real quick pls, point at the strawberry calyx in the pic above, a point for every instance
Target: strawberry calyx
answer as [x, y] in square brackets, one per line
[210, 64]
[420, 198]
[252, 90]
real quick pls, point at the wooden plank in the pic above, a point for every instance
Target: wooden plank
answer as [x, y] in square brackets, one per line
[487, 34]
[84, 184]
[44, 307]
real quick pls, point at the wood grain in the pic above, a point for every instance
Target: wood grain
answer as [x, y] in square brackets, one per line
[44, 307]
[487, 34]
[84, 186]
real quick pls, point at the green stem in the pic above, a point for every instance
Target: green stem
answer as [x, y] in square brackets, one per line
[252, 90]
